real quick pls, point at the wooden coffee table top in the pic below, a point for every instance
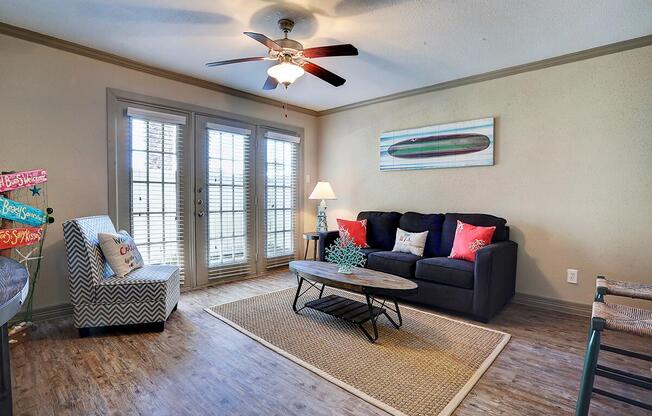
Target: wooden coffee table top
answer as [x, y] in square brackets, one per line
[361, 280]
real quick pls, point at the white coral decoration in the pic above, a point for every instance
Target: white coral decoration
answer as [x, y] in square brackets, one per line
[345, 254]
[476, 245]
[460, 226]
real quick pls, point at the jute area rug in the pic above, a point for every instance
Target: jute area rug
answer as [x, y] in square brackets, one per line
[425, 368]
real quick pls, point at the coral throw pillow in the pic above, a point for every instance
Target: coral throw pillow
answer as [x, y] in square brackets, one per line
[469, 239]
[357, 231]
[120, 252]
[412, 243]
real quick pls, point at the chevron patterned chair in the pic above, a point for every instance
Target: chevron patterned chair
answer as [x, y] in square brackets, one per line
[99, 298]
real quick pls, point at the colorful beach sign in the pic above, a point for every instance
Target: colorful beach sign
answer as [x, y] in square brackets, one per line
[15, 211]
[18, 237]
[466, 143]
[28, 178]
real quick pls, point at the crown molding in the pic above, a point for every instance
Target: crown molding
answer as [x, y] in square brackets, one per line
[53, 42]
[64, 45]
[505, 72]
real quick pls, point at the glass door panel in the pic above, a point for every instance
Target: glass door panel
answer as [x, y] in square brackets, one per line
[224, 190]
[281, 198]
[153, 171]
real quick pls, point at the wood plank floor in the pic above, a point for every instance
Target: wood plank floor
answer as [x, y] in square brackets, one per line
[200, 366]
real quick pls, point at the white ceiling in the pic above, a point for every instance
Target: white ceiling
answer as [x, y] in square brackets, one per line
[403, 44]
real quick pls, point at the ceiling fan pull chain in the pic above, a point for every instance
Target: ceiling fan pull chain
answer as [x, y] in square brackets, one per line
[285, 101]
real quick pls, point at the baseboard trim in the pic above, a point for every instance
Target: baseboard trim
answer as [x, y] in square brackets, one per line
[46, 313]
[549, 304]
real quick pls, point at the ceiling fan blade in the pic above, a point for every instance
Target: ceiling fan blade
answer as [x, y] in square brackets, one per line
[333, 50]
[235, 61]
[264, 40]
[324, 74]
[270, 83]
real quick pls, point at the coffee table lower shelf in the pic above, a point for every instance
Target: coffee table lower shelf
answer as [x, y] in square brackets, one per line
[351, 311]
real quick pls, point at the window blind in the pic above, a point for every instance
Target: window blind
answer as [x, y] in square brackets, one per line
[230, 217]
[281, 198]
[156, 182]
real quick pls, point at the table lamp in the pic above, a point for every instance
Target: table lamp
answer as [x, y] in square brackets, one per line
[322, 191]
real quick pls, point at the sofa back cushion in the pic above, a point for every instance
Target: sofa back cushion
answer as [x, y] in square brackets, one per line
[482, 220]
[416, 223]
[381, 228]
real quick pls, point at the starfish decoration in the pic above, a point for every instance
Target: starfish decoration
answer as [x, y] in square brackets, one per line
[35, 191]
[27, 257]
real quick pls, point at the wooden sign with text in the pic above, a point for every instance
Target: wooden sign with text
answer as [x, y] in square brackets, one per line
[11, 181]
[18, 237]
[15, 211]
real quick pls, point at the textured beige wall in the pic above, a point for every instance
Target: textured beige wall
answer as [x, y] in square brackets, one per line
[53, 116]
[573, 172]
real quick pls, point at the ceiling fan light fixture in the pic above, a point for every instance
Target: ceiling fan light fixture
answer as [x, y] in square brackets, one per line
[285, 72]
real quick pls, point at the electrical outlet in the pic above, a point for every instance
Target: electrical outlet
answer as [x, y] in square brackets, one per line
[571, 276]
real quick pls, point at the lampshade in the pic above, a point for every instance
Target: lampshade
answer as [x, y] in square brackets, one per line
[322, 190]
[285, 73]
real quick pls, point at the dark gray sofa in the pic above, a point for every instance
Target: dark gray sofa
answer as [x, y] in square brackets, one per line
[479, 288]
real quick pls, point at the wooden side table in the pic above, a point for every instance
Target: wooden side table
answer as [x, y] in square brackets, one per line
[314, 237]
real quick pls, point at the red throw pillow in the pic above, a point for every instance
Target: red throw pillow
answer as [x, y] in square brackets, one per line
[469, 239]
[357, 230]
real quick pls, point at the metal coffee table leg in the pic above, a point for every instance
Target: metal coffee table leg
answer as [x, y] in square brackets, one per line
[372, 318]
[299, 293]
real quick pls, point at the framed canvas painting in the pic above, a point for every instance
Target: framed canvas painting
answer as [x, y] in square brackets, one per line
[451, 145]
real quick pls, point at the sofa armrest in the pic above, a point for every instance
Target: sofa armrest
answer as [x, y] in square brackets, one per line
[326, 238]
[494, 278]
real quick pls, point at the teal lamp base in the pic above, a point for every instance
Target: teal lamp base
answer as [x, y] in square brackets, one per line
[322, 224]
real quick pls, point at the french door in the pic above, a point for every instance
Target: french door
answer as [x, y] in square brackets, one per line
[224, 199]
[246, 198]
[214, 196]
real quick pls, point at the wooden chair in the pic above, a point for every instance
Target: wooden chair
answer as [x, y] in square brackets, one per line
[620, 318]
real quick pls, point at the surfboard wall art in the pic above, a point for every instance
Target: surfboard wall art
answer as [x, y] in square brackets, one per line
[451, 145]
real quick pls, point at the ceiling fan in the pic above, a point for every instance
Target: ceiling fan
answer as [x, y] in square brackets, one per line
[293, 60]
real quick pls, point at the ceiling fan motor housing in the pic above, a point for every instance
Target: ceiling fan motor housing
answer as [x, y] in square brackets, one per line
[289, 44]
[286, 25]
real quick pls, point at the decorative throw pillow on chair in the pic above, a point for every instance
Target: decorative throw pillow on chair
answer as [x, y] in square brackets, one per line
[469, 239]
[120, 252]
[410, 242]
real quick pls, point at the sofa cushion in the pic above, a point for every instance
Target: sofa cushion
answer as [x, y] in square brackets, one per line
[483, 220]
[400, 264]
[147, 284]
[415, 222]
[381, 228]
[452, 272]
[368, 250]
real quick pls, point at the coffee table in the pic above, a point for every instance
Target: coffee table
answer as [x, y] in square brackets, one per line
[377, 287]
